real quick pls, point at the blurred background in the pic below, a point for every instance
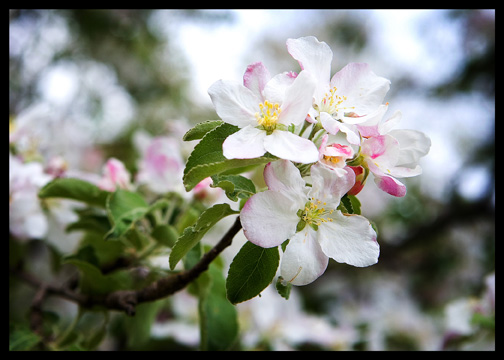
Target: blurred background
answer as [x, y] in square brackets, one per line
[86, 80]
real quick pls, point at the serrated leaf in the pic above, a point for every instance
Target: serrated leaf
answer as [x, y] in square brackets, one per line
[192, 235]
[207, 158]
[350, 205]
[124, 209]
[235, 186]
[200, 130]
[251, 271]
[283, 288]
[74, 189]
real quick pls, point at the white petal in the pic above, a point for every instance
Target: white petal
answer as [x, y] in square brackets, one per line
[313, 56]
[275, 89]
[349, 239]
[351, 133]
[298, 100]
[364, 90]
[303, 260]
[247, 143]
[284, 176]
[330, 124]
[390, 123]
[402, 171]
[267, 219]
[289, 146]
[234, 103]
[413, 144]
[329, 185]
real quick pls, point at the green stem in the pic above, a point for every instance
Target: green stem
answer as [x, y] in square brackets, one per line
[314, 130]
[305, 126]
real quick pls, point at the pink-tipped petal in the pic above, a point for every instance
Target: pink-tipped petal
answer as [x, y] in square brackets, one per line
[390, 185]
[256, 77]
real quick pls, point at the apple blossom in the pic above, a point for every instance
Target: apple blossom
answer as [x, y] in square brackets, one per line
[309, 218]
[26, 216]
[161, 165]
[391, 154]
[348, 98]
[115, 175]
[334, 155]
[264, 108]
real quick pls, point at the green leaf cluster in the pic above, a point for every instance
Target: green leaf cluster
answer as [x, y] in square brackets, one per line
[207, 158]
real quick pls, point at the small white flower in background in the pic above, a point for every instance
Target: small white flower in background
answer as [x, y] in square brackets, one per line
[308, 217]
[161, 166]
[26, 217]
[264, 108]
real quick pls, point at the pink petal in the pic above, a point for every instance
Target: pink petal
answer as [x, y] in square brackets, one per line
[390, 185]
[256, 77]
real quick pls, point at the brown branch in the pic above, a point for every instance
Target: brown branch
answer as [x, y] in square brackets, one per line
[126, 300]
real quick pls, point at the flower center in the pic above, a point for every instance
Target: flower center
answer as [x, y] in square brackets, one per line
[314, 213]
[268, 116]
[332, 102]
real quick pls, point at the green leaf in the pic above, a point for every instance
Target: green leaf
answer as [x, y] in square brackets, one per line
[200, 130]
[94, 282]
[252, 269]
[75, 189]
[124, 209]
[207, 158]
[218, 317]
[350, 205]
[283, 288]
[235, 186]
[22, 339]
[192, 235]
[138, 327]
[165, 235]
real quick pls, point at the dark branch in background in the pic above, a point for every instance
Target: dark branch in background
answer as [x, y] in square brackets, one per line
[127, 300]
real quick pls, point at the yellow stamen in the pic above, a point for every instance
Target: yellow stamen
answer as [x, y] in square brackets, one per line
[268, 116]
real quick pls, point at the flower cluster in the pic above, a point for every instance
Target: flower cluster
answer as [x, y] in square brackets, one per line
[347, 140]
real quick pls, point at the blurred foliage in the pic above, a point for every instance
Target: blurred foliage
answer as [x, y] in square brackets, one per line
[432, 242]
